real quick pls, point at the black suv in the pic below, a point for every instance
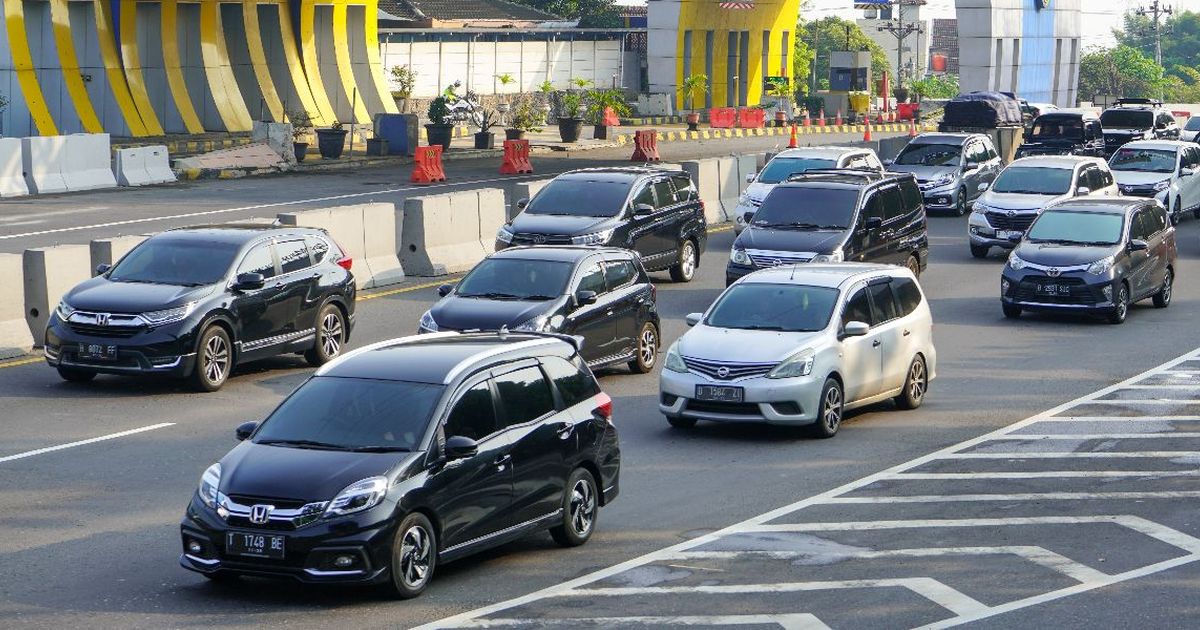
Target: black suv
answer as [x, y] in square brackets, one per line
[406, 454]
[195, 302]
[835, 216]
[1137, 119]
[1093, 255]
[602, 295]
[1065, 132]
[655, 212]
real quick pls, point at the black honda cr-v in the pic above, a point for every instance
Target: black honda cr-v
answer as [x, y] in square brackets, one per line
[195, 302]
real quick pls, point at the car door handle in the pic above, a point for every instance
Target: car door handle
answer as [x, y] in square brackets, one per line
[564, 430]
[907, 332]
[502, 461]
[609, 313]
[876, 343]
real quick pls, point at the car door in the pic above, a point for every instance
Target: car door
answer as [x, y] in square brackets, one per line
[533, 424]
[1158, 238]
[669, 217]
[862, 357]
[973, 166]
[994, 164]
[897, 342]
[627, 298]
[1190, 184]
[867, 239]
[593, 322]
[892, 232]
[642, 236]
[1140, 264]
[253, 309]
[296, 309]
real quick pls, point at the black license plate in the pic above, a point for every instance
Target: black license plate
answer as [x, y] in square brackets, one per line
[719, 393]
[255, 545]
[97, 352]
[1054, 289]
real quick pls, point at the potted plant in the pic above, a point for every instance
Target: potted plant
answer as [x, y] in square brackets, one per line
[779, 87]
[302, 126]
[485, 139]
[901, 93]
[404, 78]
[439, 130]
[546, 88]
[331, 141]
[525, 119]
[600, 100]
[503, 106]
[570, 125]
[690, 88]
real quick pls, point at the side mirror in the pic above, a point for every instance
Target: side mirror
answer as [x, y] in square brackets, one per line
[244, 430]
[1083, 190]
[1015, 237]
[750, 177]
[889, 162]
[968, 165]
[856, 329]
[643, 209]
[1138, 245]
[249, 282]
[102, 268]
[585, 297]
[445, 290]
[460, 447]
[1183, 172]
[521, 204]
[748, 217]
[693, 318]
[873, 223]
[983, 186]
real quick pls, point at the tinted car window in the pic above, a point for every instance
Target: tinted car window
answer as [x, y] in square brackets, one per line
[319, 248]
[524, 395]
[474, 415]
[786, 307]
[619, 273]
[892, 206]
[1106, 178]
[644, 196]
[1033, 180]
[580, 197]
[293, 256]
[1057, 127]
[684, 190]
[858, 308]
[910, 194]
[258, 260]
[1093, 130]
[176, 261]
[516, 277]
[575, 384]
[780, 168]
[908, 296]
[885, 304]
[873, 209]
[811, 205]
[1156, 219]
[664, 192]
[1139, 226]
[592, 280]
[1076, 227]
[930, 155]
[1128, 118]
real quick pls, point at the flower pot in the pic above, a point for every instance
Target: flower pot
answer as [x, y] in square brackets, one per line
[693, 119]
[485, 140]
[301, 150]
[901, 95]
[601, 132]
[514, 134]
[330, 142]
[439, 134]
[780, 119]
[377, 147]
[569, 129]
[401, 101]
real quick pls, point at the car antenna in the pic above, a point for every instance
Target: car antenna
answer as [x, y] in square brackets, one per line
[793, 276]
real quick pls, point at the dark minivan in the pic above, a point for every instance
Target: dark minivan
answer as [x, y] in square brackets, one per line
[1137, 119]
[1065, 132]
[835, 216]
[653, 211]
[1094, 256]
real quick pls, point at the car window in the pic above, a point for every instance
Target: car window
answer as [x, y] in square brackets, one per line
[1106, 177]
[474, 414]
[684, 190]
[873, 162]
[857, 309]
[258, 260]
[1093, 130]
[176, 258]
[524, 395]
[592, 280]
[574, 382]
[873, 208]
[293, 256]
[645, 195]
[885, 304]
[1158, 219]
[908, 295]
[910, 194]
[989, 150]
[892, 205]
[318, 248]
[619, 273]
[1191, 156]
[1137, 227]
[664, 192]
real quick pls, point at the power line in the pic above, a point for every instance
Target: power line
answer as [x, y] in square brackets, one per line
[1156, 11]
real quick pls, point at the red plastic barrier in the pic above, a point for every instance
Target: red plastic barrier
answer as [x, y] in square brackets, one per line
[610, 118]
[751, 117]
[427, 165]
[722, 117]
[907, 111]
[645, 146]
[1181, 114]
[516, 158]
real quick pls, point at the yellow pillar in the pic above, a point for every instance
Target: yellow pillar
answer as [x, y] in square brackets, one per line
[114, 70]
[69, 62]
[18, 42]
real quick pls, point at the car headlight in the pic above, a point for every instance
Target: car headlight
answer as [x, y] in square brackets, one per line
[537, 324]
[739, 256]
[358, 496]
[799, 364]
[427, 323]
[1163, 185]
[832, 257]
[1015, 262]
[674, 362]
[209, 482]
[595, 238]
[64, 310]
[504, 235]
[169, 315]
[1100, 266]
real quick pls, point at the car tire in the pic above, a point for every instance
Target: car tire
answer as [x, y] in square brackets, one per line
[960, 208]
[1119, 312]
[1011, 311]
[646, 352]
[75, 375]
[980, 251]
[1162, 299]
[913, 264]
[330, 336]
[214, 360]
[1177, 215]
[414, 556]
[684, 268]
[915, 385]
[830, 407]
[580, 507]
[681, 423]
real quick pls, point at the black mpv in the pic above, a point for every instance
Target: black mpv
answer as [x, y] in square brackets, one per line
[406, 454]
[835, 216]
[1065, 132]
[602, 295]
[652, 211]
[1137, 119]
[195, 302]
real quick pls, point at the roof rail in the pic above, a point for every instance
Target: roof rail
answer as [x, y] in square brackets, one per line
[1138, 101]
[865, 173]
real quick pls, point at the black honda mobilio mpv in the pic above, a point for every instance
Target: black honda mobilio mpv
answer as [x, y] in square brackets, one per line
[195, 302]
[406, 454]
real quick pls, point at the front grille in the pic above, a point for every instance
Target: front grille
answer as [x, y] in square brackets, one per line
[272, 525]
[764, 259]
[1017, 223]
[733, 409]
[731, 371]
[533, 239]
[108, 332]
[280, 504]
[1139, 190]
[1079, 292]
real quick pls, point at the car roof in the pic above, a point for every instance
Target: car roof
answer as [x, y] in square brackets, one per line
[1056, 161]
[616, 173]
[831, 275]
[233, 233]
[822, 151]
[562, 253]
[1103, 205]
[1070, 113]
[943, 138]
[842, 178]
[1156, 144]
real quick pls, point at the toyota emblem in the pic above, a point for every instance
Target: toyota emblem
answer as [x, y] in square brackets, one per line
[776, 262]
[539, 239]
[722, 372]
[1054, 272]
[261, 513]
[1011, 213]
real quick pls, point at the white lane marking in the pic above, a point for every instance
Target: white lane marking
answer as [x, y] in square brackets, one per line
[111, 436]
[1097, 436]
[1071, 455]
[1167, 386]
[801, 621]
[1145, 401]
[1021, 496]
[944, 453]
[1047, 474]
[1135, 419]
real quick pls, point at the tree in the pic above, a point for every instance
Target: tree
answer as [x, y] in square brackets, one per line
[1180, 42]
[832, 33]
[936, 86]
[1121, 71]
[590, 13]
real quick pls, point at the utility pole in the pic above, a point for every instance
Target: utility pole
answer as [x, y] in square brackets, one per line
[1156, 11]
[901, 30]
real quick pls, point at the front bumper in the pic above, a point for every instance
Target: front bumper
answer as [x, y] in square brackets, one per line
[1083, 292]
[734, 272]
[785, 401]
[983, 234]
[167, 350]
[941, 198]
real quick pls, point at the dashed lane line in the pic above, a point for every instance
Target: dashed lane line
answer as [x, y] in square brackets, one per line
[1020, 496]
[802, 621]
[102, 438]
[1070, 455]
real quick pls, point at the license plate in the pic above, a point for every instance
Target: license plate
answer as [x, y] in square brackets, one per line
[719, 393]
[97, 352]
[1054, 289]
[1008, 234]
[256, 545]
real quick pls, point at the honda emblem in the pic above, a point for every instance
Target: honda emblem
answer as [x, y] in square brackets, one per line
[102, 319]
[261, 513]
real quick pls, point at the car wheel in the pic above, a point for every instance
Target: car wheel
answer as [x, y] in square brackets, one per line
[414, 556]
[1177, 215]
[684, 268]
[960, 208]
[647, 349]
[913, 264]
[829, 410]
[1011, 311]
[915, 385]
[580, 506]
[214, 360]
[73, 375]
[681, 423]
[1121, 309]
[1162, 299]
[331, 335]
[979, 251]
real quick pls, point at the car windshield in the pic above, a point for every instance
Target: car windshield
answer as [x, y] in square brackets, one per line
[780, 168]
[1193, 124]
[580, 198]
[1058, 127]
[1145, 160]
[352, 414]
[1033, 180]
[176, 261]
[808, 207]
[929, 155]
[1127, 118]
[1076, 228]
[516, 279]
[782, 307]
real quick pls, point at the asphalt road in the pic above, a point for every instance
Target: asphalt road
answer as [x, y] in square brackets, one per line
[90, 536]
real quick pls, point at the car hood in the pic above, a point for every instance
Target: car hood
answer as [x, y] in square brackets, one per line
[758, 190]
[1063, 255]
[728, 345]
[526, 223]
[1049, 146]
[1124, 131]
[464, 313]
[301, 473]
[1137, 178]
[922, 172]
[1013, 201]
[817, 241]
[102, 294]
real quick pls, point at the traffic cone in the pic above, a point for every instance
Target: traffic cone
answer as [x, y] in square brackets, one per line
[867, 133]
[912, 129]
[821, 118]
[792, 144]
[807, 120]
[838, 122]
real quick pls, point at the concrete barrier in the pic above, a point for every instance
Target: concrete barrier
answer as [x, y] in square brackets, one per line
[129, 165]
[12, 179]
[107, 251]
[158, 164]
[15, 338]
[731, 188]
[42, 160]
[447, 233]
[492, 214]
[525, 190]
[367, 233]
[747, 164]
[87, 163]
[381, 244]
[704, 174]
[49, 273]
[890, 147]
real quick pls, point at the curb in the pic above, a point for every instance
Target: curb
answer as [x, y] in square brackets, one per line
[710, 134]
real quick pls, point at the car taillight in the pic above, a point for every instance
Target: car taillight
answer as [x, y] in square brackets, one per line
[604, 407]
[345, 262]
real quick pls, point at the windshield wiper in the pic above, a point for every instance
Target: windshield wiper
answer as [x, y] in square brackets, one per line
[760, 327]
[1056, 241]
[538, 296]
[380, 449]
[492, 295]
[304, 443]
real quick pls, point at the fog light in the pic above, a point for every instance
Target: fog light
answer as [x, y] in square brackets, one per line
[194, 547]
[943, 201]
[1004, 287]
[342, 562]
[1107, 291]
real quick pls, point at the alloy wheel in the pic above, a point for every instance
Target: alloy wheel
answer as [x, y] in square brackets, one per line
[216, 359]
[688, 262]
[648, 346]
[914, 266]
[582, 507]
[831, 409]
[331, 335]
[415, 555]
[916, 381]
[1166, 288]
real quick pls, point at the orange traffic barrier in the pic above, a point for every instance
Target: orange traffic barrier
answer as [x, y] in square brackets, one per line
[838, 122]
[645, 146]
[792, 144]
[807, 119]
[610, 118]
[516, 158]
[821, 118]
[867, 133]
[427, 165]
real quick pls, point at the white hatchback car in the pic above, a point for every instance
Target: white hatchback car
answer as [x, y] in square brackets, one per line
[800, 345]
[1163, 169]
[792, 161]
